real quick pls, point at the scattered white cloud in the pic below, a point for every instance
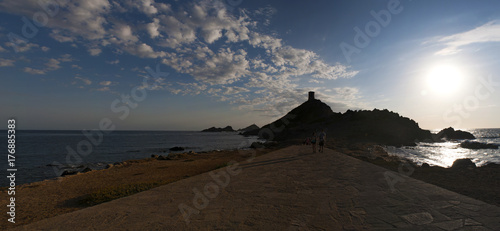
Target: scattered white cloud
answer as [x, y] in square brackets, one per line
[101, 89]
[76, 66]
[21, 45]
[114, 62]
[2, 49]
[6, 62]
[84, 80]
[44, 48]
[52, 65]
[94, 51]
[489, 32]
[202, 40]
[34, 71]
[105, 83]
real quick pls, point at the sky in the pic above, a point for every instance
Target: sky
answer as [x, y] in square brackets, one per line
[190, 65]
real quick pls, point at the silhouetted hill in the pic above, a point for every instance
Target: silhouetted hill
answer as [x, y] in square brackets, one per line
[249, 128]
[381, 126]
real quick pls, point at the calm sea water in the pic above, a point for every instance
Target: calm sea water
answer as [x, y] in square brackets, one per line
[39, 152]
[443, 154]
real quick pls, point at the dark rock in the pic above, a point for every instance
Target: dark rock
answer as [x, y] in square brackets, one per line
[69, 172]
[214, 129]
[463, 163]
[161, 157]
[452, 134]
[87, 169]
[256, 145]
[477, 145]
[154, 156]
[109, 166]
[176, 149]
[425, 165]
[249, 128]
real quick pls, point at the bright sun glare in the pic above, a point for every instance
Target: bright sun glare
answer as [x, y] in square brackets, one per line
[444, 79]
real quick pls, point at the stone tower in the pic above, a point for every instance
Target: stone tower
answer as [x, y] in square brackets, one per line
[311, 95]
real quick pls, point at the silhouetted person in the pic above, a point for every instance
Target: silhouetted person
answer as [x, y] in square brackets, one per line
[322, 140]
[313, 141]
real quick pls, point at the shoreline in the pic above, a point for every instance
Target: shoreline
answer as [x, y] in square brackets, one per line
[482, 183]
[44, 199]
[61, 195]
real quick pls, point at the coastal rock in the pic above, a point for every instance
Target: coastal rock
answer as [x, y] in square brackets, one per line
[463, 164]
[256, 145]
[109, 166]
[69, 172]
[477, 145]
[87, 169]
[176, 149]
[162, 157]
[252, 127]
[214, 129]
[452, 134]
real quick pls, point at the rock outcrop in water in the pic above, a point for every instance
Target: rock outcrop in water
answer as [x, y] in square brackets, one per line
[214, 129]
[477, 145]
[452, 134]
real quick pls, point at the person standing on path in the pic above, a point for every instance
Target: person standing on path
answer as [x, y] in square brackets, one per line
[313, 141]
[322, 139]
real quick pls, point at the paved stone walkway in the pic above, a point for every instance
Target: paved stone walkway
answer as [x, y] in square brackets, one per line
[289, 189]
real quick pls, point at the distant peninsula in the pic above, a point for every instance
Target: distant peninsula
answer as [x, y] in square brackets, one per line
[214, 129]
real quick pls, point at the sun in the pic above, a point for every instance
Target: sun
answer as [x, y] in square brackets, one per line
[444, 79]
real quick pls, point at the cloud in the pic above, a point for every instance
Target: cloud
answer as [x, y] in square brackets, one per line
[105, 83]
[51, 65]
[84, 80]
[489, 32]
[213, 47]
[94, 51]
[21, 45]
[114, 62]
[235, 90]
[76, 66]
[2, 49]
[6, 62]
[34, 71]
[45, 49]
[222, 67]
[101, 89]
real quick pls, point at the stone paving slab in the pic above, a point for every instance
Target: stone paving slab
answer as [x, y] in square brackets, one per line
[289, 189]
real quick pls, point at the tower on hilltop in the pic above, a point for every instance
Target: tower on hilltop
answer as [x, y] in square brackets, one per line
[311, 95]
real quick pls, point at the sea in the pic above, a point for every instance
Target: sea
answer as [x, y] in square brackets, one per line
[445, 153]
[44, 155]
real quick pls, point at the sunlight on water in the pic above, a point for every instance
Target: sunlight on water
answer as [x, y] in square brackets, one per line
[445, 153]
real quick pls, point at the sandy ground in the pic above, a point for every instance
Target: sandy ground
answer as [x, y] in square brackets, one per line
[49, 198]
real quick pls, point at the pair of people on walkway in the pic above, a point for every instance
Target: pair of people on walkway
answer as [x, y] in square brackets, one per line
[320, 139]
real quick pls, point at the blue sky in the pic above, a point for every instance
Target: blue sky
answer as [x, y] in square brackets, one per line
[69, 64]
